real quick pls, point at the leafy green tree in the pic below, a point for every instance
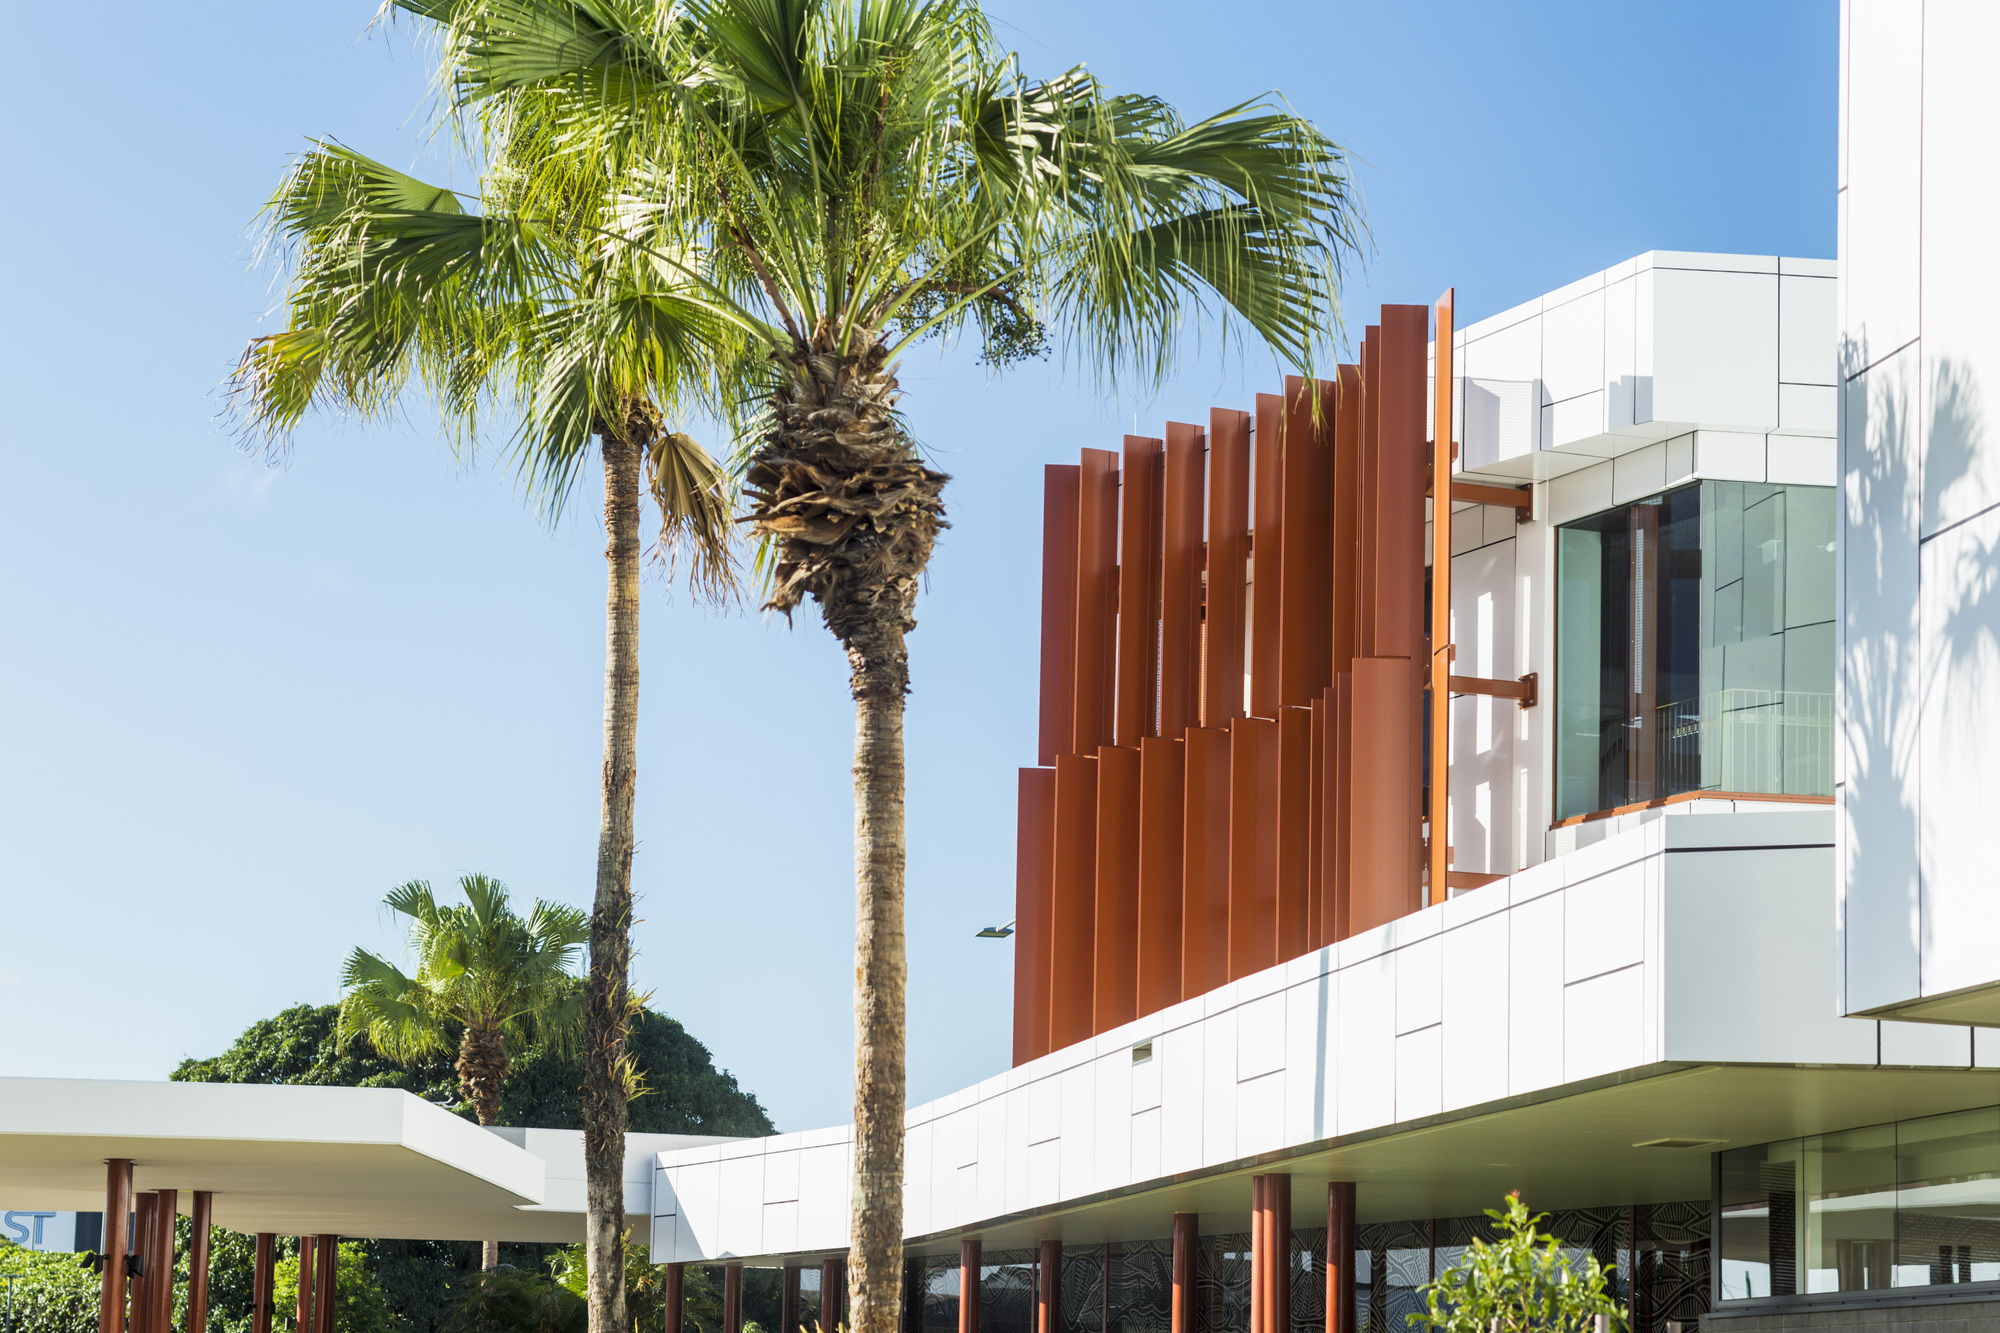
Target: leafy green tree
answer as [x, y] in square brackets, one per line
[358, 1304]
[1520, 1282]
[51, 1293]
[831, 181]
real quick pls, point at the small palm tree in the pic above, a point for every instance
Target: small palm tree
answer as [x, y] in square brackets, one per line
[500, 982]
[834, 180]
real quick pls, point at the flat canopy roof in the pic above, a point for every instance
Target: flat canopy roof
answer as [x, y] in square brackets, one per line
[375, 1162]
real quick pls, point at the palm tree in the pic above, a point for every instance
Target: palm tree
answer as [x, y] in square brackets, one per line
[499, 981]
[835, 180]
[518, 302]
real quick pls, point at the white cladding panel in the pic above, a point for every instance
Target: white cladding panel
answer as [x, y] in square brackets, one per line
[1920, 472]
[1681, 937]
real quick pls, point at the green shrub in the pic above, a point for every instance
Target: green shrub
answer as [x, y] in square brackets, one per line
[1519, 1283]
[53, 1293]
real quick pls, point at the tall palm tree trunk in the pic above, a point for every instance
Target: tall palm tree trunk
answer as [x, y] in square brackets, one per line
[855, 514]
[606, 1008]
[483, 1067]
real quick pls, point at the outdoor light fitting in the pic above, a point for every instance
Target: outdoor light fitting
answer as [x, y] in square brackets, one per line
[995, 932]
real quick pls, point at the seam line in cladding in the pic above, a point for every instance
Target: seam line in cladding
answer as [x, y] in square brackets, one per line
[1758, 847]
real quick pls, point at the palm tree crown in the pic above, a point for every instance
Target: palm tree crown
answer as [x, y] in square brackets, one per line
[501, 980]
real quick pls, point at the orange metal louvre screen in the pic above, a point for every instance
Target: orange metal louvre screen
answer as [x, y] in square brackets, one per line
[1230, 760]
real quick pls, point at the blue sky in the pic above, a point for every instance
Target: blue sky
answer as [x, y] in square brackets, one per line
[238, 703]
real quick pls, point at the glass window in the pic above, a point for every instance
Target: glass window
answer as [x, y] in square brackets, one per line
[1694, 646]
[1948, 1199]
[1848, 1185]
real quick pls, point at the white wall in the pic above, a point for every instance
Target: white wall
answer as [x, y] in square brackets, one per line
[1920, 663]
[1683, 936]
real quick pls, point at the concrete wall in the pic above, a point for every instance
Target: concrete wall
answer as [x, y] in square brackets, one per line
[1920, 579]
[1682, 936]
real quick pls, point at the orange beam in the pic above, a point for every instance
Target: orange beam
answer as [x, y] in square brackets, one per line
[1442, 453]
[1034, 870]
[1138, 589]
[1519, 499]
[1162, 817]
[1072, 947]
[1228, 549]
[1180, 583]
[1059, 498]
[1267, 554]
[1096, 600]
[1205, 863]
[1115, 976]
[1523, 691]
[1253, 845]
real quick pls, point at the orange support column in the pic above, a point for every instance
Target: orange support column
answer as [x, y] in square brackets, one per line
[160, 1290]
[732, 1298]
[263, 1265]
[1340, 1256]
[968, 1286]
[1096, 601]
[673, 1298]
[1270, 1254]
[1443, 452]
[1253, 845]
[302, 1315]
[1222, 694]
[1294, 832]
[1187, 1240]
[116, 1242]
[1034, 906]
[326, 1274]
[145, 1207]
[1115, 929]
[1048, 1288]
[832, 1294]
[1205, 863]
[1162, 810]
[1074, 898]
[1058, 715]
[1180, 579]
[204, 1212]
[1138, 590]
[1267, 554]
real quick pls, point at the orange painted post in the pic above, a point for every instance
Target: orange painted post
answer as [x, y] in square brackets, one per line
[1367, 481]
[161, 1290]
[1340, 1256]
[1034, 908]
[1253, 845]
[1180, 585]
[1304, 628]
[673, 1298]
[326, 1275]
[1343, 611]
[788, 1300]
[1074, 913]
[1340, 808]
[1181, 1314]
[1278, 1224]
[732, 1298]
[263, 1272]
[302, 1314]
[1115, 974]
[1443, 453]
[116, 1242]
[197, 1305]
[832, 1294]
[1260, 1259]
[1267, 554]
[1162, 811]
[1048, 1288]
[1316, 839]
[1381, 802]
[1400, 613]
[1222, 694]
[1096, 600]
[144, 1208]
[1059, 501]
[1138, 590]
[1205, 864]
[1294, 832]
[968, 1286]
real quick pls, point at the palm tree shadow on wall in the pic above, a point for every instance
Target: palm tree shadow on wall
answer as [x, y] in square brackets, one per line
[1893, 481]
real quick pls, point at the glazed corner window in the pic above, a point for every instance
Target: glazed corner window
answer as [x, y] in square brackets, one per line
[1694, 647]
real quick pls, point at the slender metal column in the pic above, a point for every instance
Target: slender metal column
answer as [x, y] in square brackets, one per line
[325, 1273]
[1442, 453]
[1183, 1314]
[1048, 1294]
[673, 1298]
[788, 1301]
[116, 1243]
[302, 1316]
[204, 1211]
[1340, 1256]
[161, 1289]
[145, 1205]
[732, 1298]
[968, 1285]
[832, 1294]
[265, 1261]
